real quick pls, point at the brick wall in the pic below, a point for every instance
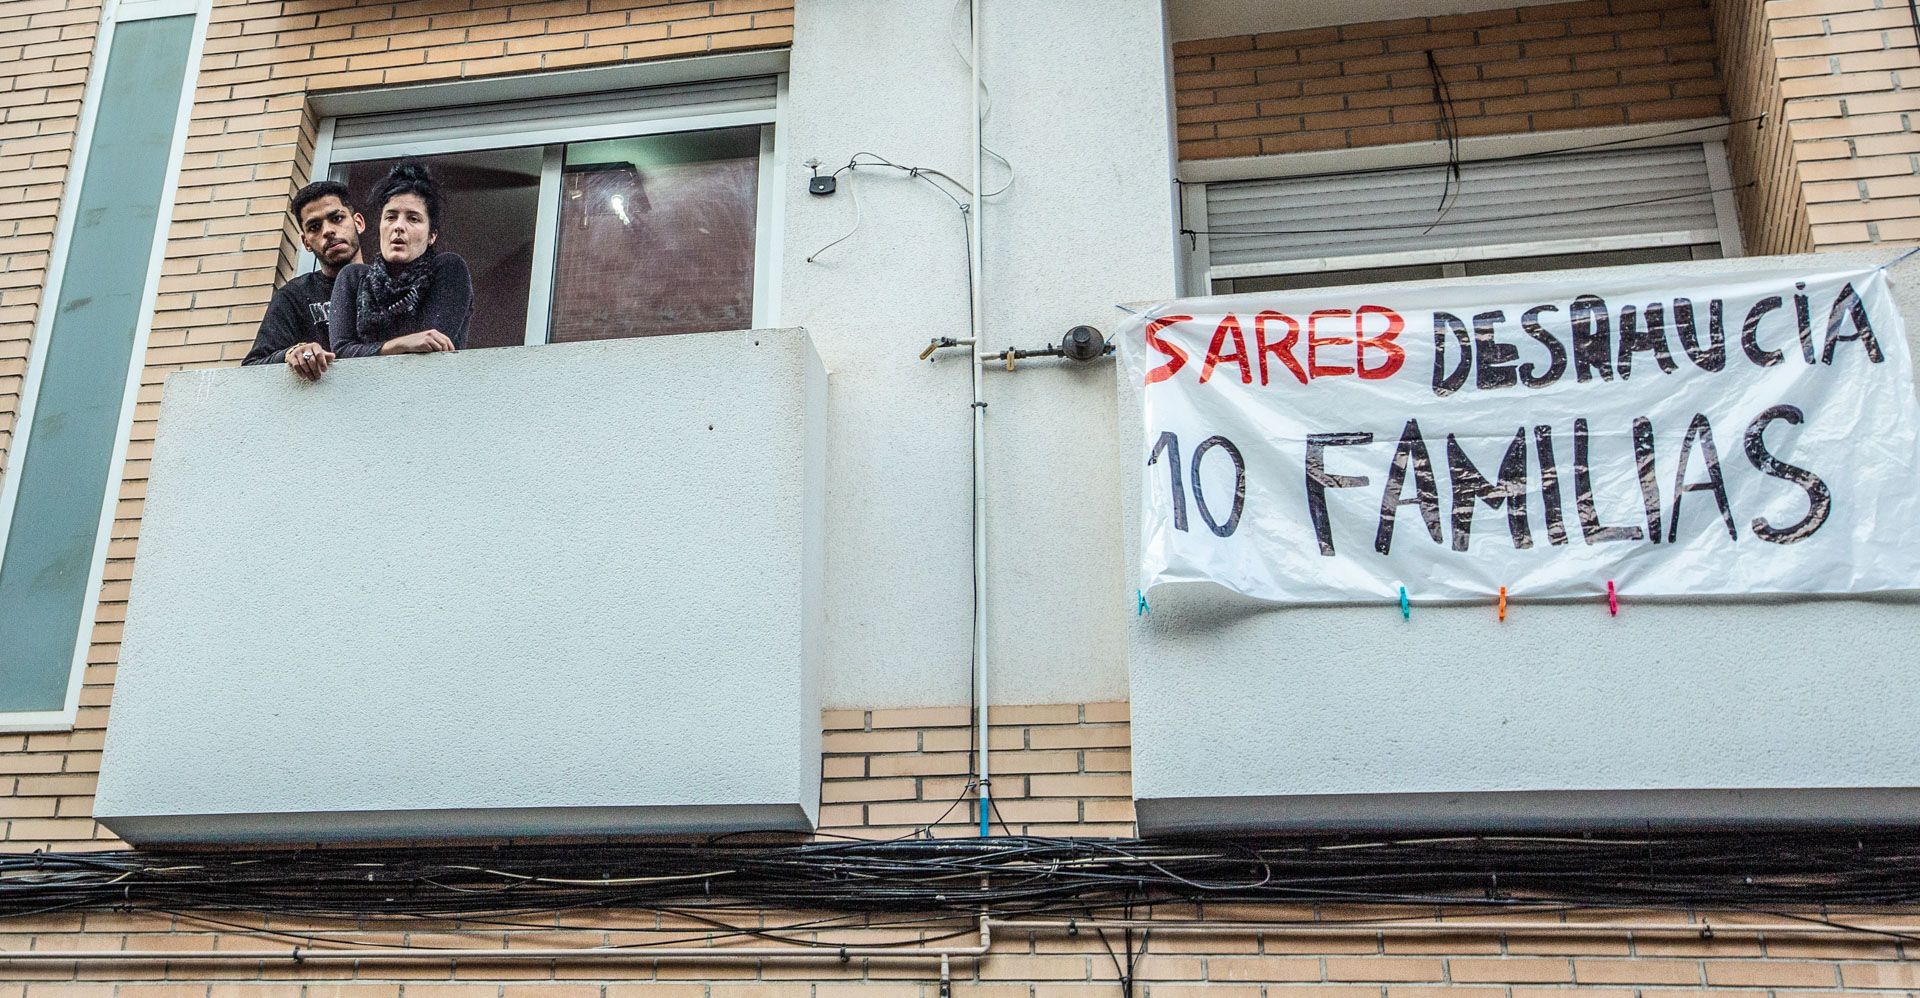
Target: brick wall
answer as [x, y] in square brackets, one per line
[45, 46]
[1572, 65]
[1057, 769]
[249, 146]
[1773, 214]
[45, 49]
[1850, 78]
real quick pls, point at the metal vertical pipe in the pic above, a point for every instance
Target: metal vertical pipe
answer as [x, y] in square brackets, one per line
[975, 268]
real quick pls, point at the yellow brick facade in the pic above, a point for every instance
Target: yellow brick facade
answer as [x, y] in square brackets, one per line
[45, 46]
[1848, 73]
[1837, 76]
[45, 49]
[1527, 69]
[1773, 214]
[249, 146]
[1822, 93]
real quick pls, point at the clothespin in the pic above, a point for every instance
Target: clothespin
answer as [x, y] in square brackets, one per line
[1503, 603]
[1613, 600]
[1406, 612]
[1141, 609]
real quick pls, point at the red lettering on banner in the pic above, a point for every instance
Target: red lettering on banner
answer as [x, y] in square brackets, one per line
[1315, 342]
[1282, 349]
[1396, 355]
[1229, 326]
[1176, 357]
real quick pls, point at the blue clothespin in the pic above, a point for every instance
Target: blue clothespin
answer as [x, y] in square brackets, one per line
[1406, 611]
[1141, 611]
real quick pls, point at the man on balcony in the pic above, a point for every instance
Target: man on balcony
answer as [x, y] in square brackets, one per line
[294, 331]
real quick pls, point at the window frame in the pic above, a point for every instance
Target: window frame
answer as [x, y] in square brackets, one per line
[1197, 272]
[115, 12]
[769, 193]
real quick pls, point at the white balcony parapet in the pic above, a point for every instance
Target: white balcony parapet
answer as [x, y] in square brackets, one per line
[1678, 713]
[558, 590]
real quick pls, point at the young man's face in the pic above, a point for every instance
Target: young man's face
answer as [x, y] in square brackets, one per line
[330, 232]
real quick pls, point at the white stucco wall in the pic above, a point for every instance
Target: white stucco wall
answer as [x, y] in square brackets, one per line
[1254, 716]
[542, 590]
[1079, 104]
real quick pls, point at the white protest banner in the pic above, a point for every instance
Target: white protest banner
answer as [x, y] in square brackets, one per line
[1741, 433]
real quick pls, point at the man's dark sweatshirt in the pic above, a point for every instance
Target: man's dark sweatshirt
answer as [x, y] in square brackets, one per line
[297, 314]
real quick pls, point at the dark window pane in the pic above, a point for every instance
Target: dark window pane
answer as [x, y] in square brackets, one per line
[656, 235]
[492, 198]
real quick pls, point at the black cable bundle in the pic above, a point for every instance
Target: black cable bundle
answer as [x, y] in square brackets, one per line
[1007, 877]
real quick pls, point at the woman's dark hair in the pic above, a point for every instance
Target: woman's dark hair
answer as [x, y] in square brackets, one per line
[410, 176]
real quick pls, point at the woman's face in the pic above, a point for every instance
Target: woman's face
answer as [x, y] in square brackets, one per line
[404, 231]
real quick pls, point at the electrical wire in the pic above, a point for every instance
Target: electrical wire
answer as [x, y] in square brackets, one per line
[932, 886]
[855, 195]
[933, 178]
[926, 173]
[986, 95]
[1451, 182]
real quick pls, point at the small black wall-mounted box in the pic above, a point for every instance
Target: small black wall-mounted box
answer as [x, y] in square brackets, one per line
[821, 185]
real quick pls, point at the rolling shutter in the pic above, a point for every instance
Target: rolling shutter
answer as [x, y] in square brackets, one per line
[554, 119]
[1613, 198]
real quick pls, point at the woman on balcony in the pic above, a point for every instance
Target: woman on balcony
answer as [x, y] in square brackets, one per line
[415, 299]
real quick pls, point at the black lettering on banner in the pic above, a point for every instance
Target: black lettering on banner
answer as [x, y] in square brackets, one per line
[1702, 431]
[1556, 351]
[1590, 528]
[1653, 338]
[1712, 357]
[1446, 383]
[1470, 485]
[1649, 487]
[1819, 497]
[1550, 485]
[1592, 338]
[1750, 333]
[1319, 480]
[1849, 306]
[1411, 452]
[1493, 361]
[1804, 315]
[1171, 444]
[1239, 485]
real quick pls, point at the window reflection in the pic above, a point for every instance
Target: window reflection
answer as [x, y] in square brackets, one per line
[657, 235]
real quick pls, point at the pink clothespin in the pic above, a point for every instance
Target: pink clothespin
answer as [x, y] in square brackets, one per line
[1613, 600]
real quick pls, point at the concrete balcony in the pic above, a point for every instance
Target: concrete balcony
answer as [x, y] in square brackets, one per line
[556, 590]
[1678, 713]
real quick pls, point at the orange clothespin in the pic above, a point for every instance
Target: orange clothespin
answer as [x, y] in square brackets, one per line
[1503, 603]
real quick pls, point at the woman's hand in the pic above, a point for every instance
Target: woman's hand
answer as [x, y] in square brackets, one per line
[426, 341]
